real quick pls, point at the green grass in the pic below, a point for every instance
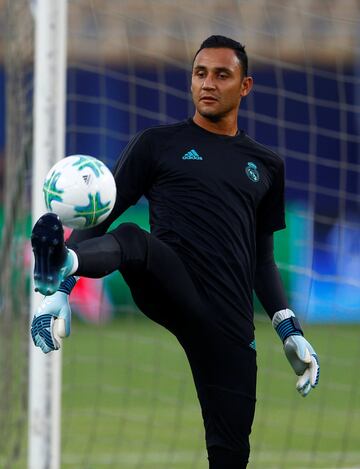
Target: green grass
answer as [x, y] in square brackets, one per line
[129, 401]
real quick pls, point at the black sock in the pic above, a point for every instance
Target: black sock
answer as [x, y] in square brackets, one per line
[223, 458]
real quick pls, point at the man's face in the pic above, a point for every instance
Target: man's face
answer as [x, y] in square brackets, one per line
[217, 83]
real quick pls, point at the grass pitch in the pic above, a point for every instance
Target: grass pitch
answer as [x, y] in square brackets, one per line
[129, 401]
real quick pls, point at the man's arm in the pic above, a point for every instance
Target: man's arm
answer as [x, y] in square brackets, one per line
[268, 284]
[270, 291]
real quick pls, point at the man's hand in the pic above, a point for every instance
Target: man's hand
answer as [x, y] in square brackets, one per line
[301, 355]
[304, 361]
[51, 322]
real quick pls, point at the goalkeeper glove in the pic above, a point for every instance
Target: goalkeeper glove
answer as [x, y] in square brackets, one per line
[299, 352]
[52, 320]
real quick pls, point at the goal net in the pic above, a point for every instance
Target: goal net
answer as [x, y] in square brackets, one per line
[128, 400]
[16, 51]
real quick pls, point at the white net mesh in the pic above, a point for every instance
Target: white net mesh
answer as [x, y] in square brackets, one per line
[128, 398]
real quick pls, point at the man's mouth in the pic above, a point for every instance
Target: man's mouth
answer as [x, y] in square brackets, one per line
[208, 98]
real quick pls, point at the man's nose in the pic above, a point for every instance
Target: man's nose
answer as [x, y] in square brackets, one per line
[208, 83]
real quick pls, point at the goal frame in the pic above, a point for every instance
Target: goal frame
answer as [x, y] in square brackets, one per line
[44, 437]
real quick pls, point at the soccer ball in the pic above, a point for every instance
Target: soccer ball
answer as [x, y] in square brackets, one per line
[81, 190]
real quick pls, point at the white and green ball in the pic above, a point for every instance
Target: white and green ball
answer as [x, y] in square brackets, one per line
[81, 190]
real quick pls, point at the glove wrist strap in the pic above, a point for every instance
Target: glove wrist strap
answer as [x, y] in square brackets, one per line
[286, 324]
[68, 284]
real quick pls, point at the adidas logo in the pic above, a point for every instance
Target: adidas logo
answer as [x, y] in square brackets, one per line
[192, 155]
[86, 178]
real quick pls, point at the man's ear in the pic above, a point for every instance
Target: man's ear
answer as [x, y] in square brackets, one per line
[246, 86]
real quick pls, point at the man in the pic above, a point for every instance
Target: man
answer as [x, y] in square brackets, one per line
[215, 198]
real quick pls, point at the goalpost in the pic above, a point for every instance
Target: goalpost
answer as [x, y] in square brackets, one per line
[49, 146]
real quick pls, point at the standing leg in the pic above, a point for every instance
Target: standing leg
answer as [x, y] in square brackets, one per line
[225, 378]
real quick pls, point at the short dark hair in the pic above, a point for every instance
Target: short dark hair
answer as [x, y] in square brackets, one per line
[216, 42]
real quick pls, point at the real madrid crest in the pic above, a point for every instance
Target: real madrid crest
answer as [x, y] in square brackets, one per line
[252, 172]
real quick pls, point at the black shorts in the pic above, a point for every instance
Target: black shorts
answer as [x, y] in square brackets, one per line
[224, 371]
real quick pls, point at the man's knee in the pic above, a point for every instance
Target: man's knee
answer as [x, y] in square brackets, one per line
[133, 242]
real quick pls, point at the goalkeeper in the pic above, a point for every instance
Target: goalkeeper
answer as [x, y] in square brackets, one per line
[215, 197]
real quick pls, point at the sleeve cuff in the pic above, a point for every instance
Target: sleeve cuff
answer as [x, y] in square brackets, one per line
[286, 324]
